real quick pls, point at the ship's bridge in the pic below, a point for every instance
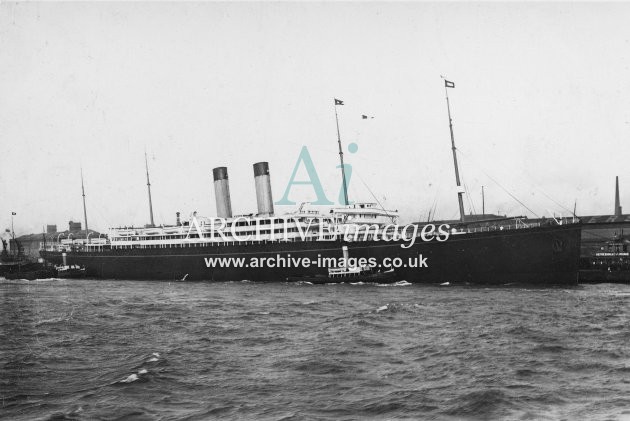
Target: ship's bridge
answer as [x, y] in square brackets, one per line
[365, 213]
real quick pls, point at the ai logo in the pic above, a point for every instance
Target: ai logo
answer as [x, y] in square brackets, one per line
[313, 179]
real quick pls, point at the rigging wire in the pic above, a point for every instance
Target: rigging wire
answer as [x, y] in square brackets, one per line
[434, 211]
[469, 198]
[433, 206]
[504, 189]
[524, 172]
[373, 195]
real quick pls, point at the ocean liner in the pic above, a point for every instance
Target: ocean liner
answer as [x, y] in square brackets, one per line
[307, 243]
[516, 253]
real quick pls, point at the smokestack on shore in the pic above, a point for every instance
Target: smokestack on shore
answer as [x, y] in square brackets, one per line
[222, 192]
[263, 188]
[617, 202]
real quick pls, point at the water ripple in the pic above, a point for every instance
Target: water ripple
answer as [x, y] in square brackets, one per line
[83, 350]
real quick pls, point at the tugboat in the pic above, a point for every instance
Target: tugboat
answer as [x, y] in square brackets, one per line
[10, 260]
[70, 272]
[31, 272]
[348, 273]
[14, 264]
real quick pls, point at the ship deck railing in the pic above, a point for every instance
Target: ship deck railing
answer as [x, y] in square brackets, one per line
[518, 225]
[469, 230]
[65, 247]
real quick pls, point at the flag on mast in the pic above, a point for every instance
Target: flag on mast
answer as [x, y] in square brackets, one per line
[338, 102]
[449, 84]
[364, 117]
[13, 213]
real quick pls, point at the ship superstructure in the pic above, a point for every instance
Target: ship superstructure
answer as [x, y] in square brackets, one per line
[302, 225]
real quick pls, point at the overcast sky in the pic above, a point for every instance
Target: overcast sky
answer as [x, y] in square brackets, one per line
[541, 107]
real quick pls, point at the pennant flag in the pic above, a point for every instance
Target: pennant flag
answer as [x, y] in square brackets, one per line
[13, 213]
[364, 117]
[448, 84]
[338, 102]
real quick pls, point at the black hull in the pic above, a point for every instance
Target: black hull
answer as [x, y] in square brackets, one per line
[542, 255]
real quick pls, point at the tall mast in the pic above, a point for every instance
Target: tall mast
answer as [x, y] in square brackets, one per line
[146, 164]
[84, 210]
[343, 169]
[483, 202]
[447, 85]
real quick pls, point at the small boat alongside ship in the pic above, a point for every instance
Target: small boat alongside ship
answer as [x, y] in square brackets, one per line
[13, 258]
[348, 273]
[14, 264]
[31, 272]
[364, 274]
[70, 271]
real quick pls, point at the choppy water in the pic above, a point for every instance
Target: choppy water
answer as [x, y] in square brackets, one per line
[83, 349]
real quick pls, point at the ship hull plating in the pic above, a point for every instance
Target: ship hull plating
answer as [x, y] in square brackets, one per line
[542, 255]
